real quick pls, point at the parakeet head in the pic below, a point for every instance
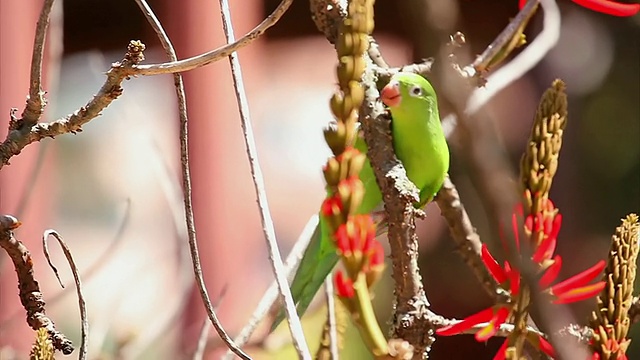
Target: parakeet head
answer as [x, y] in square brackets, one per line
[407, 92]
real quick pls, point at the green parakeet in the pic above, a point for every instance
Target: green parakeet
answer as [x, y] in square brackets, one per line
[420, 144]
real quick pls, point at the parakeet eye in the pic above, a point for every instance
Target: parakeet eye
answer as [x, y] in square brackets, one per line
[415, 91]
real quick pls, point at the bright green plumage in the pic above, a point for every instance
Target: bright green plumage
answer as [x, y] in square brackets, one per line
[418, 141]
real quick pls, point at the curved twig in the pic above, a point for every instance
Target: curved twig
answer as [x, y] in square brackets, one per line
[295, 326]
[202, 340]
[201, 346]
[191, 63]
[516, 68]
[76, 277]
[95, 266]
[186, 181]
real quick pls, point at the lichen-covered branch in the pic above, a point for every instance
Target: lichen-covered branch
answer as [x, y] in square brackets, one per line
[410, 320]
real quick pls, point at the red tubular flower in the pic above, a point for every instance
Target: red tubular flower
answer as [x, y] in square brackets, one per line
[376, 255]
[514, 278]
[348, 152]
[498, 273]
[501, 354]
[537, 341]
[375, 263]
[344, 286]
[551, 273]
[499, 317]
[495, 316]
[331, 206]
[605, 7]
[492, 265]
[609, 7]
[356, 236]
[546, 347]
[547, 223]
[575, 288]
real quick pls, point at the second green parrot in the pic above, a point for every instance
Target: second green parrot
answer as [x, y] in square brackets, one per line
[418, 141]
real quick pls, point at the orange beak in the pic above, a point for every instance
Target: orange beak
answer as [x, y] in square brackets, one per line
[390, 94]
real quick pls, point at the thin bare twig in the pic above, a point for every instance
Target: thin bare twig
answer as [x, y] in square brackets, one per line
[331, 316]
[191, 63]
[186, 180]
[202, 340]
[76, 277]
[525, 61]
[295, 326]
[204, 330]
[516, 68]
[268, 300]
[30, 295]
[503, 43]
[36, 102]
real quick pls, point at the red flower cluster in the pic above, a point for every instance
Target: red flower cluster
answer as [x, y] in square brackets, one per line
[344, 286]
[605, 6]
[576, 288]
[360, 251]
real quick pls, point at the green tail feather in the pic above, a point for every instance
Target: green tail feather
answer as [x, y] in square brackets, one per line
[318, 260]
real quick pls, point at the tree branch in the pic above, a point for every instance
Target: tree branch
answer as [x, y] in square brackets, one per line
[30, 295]
[20, 136]
[410, 319]
[36, 101]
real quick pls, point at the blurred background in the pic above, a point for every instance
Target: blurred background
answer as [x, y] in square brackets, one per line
[113, 190]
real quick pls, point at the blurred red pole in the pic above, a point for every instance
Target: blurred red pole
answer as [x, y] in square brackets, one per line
[17, 28]
[224, 203]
